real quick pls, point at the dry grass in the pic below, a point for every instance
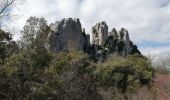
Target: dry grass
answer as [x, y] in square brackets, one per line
[159, 90]
[162, 83]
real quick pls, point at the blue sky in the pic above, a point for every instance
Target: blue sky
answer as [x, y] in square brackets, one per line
[154, 44]
[148, 21]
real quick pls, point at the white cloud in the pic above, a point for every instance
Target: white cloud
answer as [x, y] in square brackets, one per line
[145, 19]
[158, 55]
[157, 51]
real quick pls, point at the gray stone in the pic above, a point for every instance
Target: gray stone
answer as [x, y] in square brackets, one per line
[124, 36]
[67, 34]
[126, 40]
[114, 33]
[100, 33]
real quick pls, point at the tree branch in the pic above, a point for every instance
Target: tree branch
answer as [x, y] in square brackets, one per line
[6, 6]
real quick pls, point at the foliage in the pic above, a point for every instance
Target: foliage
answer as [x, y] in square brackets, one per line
[125, 74]
[73, 70]
[7, 46]
[35, 33]
[24, 73]
[29, 71]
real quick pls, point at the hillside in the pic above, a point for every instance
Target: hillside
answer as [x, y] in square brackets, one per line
[58, 62]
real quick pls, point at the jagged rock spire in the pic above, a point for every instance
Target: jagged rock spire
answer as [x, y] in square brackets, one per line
[100, 33]
[114, 33]
[68, 34]
[123, 34]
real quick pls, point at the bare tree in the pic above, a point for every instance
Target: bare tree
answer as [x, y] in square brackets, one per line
[4, 5]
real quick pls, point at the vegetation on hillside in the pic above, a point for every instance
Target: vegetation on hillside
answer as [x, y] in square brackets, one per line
[29, 71]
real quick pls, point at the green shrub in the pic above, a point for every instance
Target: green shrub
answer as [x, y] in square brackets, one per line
[125, 74]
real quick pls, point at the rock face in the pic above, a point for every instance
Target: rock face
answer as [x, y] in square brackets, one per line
[100, 33]
[124, 36]
[108, 43]
[67, 34]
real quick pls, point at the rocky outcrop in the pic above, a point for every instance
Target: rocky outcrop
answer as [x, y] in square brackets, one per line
[67, 34]
[100, 33]
[117, 43]
[124, 36]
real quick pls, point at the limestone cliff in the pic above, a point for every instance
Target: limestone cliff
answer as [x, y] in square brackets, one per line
[106, 43]
[68, 34]
[100, 33]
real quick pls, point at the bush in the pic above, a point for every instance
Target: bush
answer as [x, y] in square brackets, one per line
[25, 74]
[125, 74]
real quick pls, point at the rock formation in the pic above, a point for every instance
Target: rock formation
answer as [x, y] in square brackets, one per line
[68, 34]
[124, 36]
[106, 43]
[100, 33]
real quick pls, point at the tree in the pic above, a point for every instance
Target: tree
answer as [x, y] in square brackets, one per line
[25, 74]
[34, 36]
[35, 32]
[7, 46]
[73, 71]
[125, 74]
